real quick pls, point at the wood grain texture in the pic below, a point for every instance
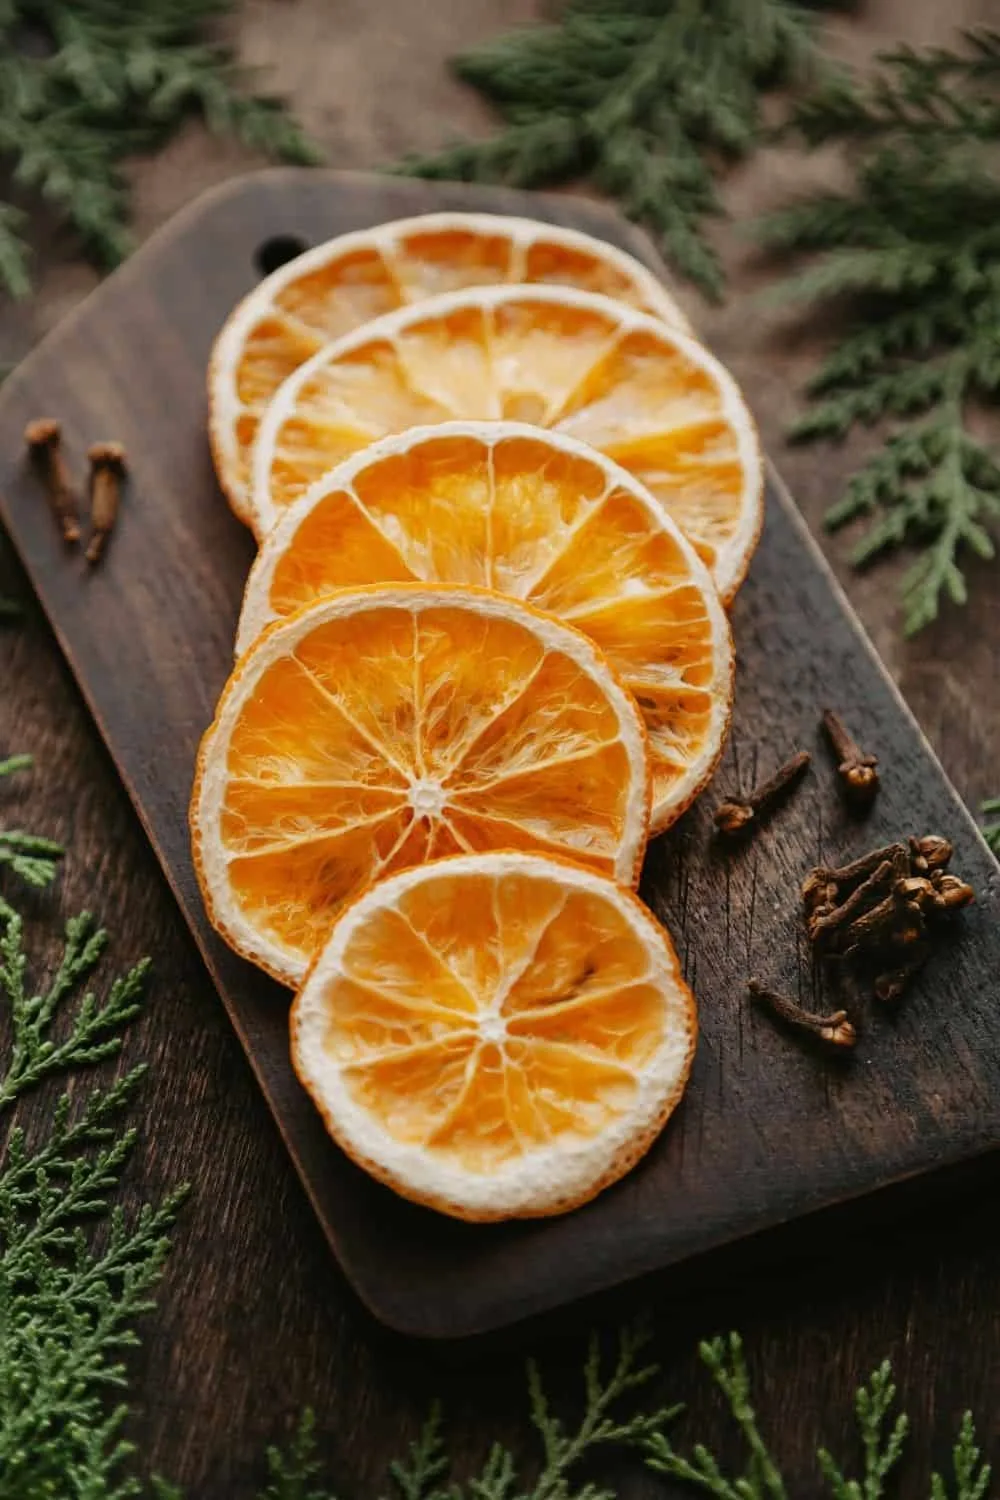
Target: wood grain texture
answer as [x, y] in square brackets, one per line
[149, 637]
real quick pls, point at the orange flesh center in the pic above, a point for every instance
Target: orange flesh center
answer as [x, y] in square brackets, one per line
[333, 300]
[481, 1018]
[544, 526]
[393, 736]
[631, 394]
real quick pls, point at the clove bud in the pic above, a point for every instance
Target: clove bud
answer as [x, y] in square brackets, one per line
[107, 472]
[44, 440]
[856, 769]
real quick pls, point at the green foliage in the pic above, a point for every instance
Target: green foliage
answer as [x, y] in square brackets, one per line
[991, 831]
[95, 1030]
[291, 1473]
[645, 99]
[882, 1439]
[69, 1298]
[882, 1449]
[108, 78]
[30, 857]
[913, 248]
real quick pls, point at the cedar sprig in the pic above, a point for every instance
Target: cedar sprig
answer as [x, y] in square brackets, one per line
[914, 250]
[882, 1437]
[882, 1440]
[112, 77]
[644, 99]
[991, 830]
[29, 856]
[39, 1047]
[292, 1472]
[69, 1302]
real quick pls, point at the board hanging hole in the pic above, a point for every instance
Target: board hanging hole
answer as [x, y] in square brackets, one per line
[277, 251]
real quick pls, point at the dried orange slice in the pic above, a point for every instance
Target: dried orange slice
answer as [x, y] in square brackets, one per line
[541, 517]
[386, 726]
[495, 1036]
[339, 285]
[642, 393]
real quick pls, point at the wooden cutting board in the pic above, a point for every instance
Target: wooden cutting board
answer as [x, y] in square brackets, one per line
[767, 1132]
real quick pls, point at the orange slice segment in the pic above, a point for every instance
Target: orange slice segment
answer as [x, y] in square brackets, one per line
[495, 1036]
[336, 287]
[644, 394]
[541, 517]
[387, 726]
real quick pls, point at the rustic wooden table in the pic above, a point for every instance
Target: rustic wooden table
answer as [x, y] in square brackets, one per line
[253, 1319]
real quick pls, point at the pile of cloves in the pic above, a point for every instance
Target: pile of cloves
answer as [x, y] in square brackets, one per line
[878, 913]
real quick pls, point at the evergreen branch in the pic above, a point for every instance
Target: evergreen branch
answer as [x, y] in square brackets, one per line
[644, 101]
[914, 251]
[95, 1030]
[882, 1450]
[291, 1473]
[416, 1477]
[991, 831]
[69, 1305]
[761, 1480]
[972, 1479]
[882, 1441]
[122, 74]
[30, 857]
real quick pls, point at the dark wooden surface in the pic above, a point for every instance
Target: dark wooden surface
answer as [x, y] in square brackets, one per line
[149, 637]
[253, 1318]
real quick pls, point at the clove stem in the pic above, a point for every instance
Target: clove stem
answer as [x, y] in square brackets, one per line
[107, 471]
[834, 1030]
[44, 440]
[824, 920]
[734, 817]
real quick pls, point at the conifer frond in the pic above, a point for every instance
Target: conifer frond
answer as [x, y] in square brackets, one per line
[646, 101]
[911, 257]
[119, 76]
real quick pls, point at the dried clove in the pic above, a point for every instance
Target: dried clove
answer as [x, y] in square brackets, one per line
[107, 472]
[834, 1030]
[44, 440]
[876, 914]
[949, 893]
[735, 818]
[932, 852]
[856, 769]
[891, 985]
[826, 918]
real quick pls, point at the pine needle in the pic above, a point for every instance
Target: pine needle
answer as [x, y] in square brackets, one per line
[646, 100]
[109, 78]
[913, 251]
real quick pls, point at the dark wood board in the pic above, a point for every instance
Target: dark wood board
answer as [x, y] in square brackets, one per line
[767, 1133]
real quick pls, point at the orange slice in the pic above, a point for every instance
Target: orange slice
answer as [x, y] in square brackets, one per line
[386, 726]
[338, 286]
[495, 1036]
[541, 517]
[642, 393]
